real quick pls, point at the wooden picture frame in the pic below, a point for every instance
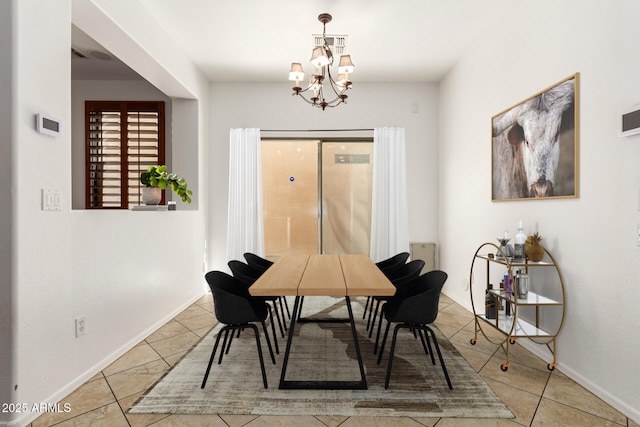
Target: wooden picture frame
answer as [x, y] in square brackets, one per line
[534, 146]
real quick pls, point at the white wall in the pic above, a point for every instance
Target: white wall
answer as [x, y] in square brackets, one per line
[42, 276]
[271, 106]
[57, 270]
[6, 201]
[593, 237]
[152, 271]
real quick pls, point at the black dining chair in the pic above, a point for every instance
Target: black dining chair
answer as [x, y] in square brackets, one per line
[236, 311]
[262, 264]
[257, 261]
[247, 275]
[397, 259]
[399, 276]
[394, 261]
[403, 280]
[415, 310]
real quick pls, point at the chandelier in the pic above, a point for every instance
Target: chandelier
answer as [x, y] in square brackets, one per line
[322, 84]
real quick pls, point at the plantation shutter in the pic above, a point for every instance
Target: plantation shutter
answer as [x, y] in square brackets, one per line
[123, 138]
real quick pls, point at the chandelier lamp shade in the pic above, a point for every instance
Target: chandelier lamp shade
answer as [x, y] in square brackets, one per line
[324, 90]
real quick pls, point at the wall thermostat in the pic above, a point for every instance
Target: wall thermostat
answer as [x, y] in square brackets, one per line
[47, 125]
[630, 121]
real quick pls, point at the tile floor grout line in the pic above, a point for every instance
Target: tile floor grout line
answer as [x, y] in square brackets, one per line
[535, 412]
[115, 397]
[626, 424]
[585, 412]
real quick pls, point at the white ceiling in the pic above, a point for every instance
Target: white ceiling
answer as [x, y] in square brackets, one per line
[256, 40]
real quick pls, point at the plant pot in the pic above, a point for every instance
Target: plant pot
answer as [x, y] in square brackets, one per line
[151, 195]
[534, 251]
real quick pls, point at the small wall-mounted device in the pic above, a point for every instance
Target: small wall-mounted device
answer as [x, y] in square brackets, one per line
[47, 125]
[630, 121]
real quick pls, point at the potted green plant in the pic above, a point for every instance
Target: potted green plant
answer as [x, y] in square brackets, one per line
[157, 177]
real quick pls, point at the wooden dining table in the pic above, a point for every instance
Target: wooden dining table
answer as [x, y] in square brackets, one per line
[322, 275]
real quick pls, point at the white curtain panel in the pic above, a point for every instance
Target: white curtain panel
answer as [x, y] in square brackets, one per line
[245, 231]
[389, 207]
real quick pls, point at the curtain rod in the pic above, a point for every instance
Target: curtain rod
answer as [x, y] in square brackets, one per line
[315, 130]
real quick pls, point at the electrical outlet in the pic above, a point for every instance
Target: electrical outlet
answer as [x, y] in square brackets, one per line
[80, 326]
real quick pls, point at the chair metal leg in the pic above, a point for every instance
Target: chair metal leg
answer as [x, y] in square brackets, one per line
[393, 348]
[427, 330]
[266, 337]
[230, 341]
[213, 355]
[435, 343]
[375, 347]
[273, 328]
[425, 336]
[366, 305]
[275, 308]
[286, 305]
[384, 340]
[282, 310]
[232, 328]
[372, 313]
[424, 344]
[264, 373]
[224, 344]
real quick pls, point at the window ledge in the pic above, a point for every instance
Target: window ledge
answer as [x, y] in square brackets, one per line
[152, 208]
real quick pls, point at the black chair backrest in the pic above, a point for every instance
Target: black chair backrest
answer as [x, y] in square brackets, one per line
[421, 308]
[403, 277]
[230, 304]
[395, 260]
[410, 270]
[257, 261]
[244, 272]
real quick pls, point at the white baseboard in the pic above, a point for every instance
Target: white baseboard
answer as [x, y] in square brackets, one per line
[543, 353]
[101, 365]
[625, 409]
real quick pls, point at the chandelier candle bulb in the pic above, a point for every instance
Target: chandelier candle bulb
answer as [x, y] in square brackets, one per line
[296, 73]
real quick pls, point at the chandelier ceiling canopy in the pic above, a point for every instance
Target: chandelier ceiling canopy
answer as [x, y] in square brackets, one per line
[322, 84]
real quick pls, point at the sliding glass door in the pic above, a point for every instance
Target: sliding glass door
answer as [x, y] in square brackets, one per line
[346, 197]
[316, 196]
[290, 197]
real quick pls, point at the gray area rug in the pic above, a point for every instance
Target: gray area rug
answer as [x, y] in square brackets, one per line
[324, 352]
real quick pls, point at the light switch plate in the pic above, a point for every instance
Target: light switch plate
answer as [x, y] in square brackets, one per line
[50, 200]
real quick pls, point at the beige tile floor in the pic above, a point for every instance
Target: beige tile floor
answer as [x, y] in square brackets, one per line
[536, 396]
